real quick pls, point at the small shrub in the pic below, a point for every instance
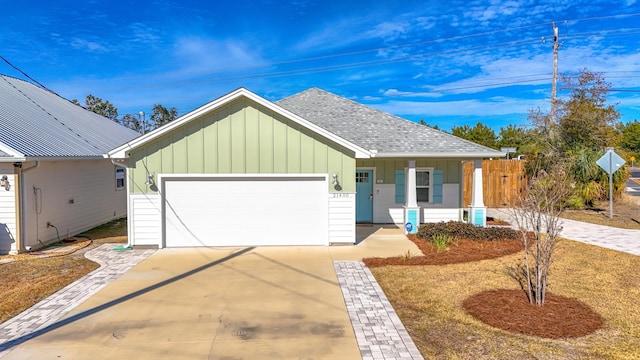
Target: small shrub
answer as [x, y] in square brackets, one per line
[441, 242]
[461, 230]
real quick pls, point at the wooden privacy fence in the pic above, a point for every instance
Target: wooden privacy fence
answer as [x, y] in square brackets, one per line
[503, 181]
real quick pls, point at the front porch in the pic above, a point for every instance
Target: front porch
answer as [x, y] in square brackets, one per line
[409, 192]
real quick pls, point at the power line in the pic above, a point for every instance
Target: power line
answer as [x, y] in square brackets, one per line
[404, 58]
[27, 76]
[347, 66]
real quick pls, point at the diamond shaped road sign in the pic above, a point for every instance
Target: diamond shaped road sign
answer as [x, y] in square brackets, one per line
[610, 162]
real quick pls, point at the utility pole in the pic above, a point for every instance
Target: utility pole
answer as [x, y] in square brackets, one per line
[556, 45]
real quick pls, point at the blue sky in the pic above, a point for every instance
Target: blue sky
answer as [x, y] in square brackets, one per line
[450, 63]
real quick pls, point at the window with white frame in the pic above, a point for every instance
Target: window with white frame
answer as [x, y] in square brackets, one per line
[120, 178]
[423, 185]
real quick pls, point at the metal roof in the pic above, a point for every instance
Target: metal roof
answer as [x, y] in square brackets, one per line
[373, 129]
[37, 123]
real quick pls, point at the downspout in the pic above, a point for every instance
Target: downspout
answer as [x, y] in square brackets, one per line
[20, 241]
[126, 177]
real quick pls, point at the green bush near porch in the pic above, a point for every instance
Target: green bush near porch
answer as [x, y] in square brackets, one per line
[462, 230]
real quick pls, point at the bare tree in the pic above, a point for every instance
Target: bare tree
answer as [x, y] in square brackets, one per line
[538, 219]
[99, 106]
[161, 115]
[136, 123]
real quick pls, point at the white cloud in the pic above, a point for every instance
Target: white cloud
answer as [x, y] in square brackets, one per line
[208, 55]
[91, 46]
[389, 31]
[143, 34]
[487, 107]
[413, 94]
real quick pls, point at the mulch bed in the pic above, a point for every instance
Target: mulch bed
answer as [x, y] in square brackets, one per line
[559, 317]
[460, 251]
[510, 310]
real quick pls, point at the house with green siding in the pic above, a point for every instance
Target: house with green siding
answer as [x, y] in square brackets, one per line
[242, 170]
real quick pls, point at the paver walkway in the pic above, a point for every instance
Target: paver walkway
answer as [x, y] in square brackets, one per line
[27, 324]
[379, 331]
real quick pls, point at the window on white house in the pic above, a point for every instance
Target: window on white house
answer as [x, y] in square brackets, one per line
[423, 185]
[120, 178]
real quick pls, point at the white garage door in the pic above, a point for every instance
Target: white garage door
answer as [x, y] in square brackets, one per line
[245, 210]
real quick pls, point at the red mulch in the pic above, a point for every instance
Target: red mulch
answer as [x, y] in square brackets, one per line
[460, 251]
[510, 310]
[559, 317]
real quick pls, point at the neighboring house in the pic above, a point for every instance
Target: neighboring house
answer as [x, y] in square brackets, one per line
[242, 170]
[54, 178]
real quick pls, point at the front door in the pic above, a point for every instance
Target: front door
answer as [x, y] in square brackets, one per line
[364, 196]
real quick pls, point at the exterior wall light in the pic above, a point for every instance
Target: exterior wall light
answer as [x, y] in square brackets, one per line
[336, 182]
[4, 182]
[149, 179]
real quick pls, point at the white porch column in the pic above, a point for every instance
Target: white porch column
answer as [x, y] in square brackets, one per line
[477, 210]
[411, 209]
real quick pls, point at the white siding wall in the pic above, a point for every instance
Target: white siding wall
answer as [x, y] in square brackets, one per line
[386, 211]
[342, 218]
[449, 210]
[7, 211]
[145, 220]
[73, 195]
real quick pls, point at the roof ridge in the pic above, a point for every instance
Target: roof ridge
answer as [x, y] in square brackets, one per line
[377, 129]
[428, 128]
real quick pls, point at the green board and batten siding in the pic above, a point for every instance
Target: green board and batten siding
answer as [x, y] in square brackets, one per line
[242, 138]
[386, 168]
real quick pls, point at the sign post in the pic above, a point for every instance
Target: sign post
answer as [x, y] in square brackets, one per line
[610, 162]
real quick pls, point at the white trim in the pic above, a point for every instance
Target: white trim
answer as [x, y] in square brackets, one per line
[186, 176]
[163, 179]
[430, 170]
[6, 159]
[10, 151]
[441, 155]
[50, 158]
[122, 151]
[124, 177]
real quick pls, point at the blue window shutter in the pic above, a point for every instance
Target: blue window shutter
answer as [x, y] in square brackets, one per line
[400, 186]
[437, 187]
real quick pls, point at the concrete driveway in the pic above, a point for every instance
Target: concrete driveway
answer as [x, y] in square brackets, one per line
[217, 303]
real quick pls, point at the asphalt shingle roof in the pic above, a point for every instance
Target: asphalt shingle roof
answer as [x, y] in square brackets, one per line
[38, 123]
[374, 129]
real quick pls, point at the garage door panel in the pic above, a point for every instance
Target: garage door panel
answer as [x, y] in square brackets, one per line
[246, 211]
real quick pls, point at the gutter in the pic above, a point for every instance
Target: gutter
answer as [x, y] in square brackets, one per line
[21, 239]
[126, 177]
[61, 158]
[443, 155]
[12, 159]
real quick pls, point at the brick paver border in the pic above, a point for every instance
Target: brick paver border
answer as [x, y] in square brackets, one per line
[379, 331]
[48, 311]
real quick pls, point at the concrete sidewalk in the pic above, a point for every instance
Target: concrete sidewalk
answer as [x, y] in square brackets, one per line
[624, 240]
